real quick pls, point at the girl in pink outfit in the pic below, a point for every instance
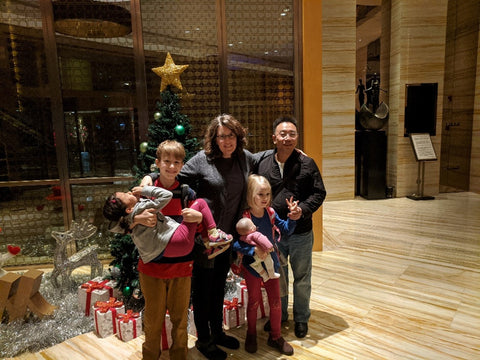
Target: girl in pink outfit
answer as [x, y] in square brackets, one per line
[266, 220]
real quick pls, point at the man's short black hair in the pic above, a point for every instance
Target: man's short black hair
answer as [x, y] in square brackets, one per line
[282, 119]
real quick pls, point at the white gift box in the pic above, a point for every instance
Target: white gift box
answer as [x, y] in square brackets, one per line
[129, 325]
[191, 328]
[167, 333]
[91, 292]
[264, 308]
[233, 314]
[105, 316]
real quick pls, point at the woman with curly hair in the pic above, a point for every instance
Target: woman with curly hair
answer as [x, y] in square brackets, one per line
[218, 174]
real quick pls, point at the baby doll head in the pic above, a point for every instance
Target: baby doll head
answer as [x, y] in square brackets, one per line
[245, 226]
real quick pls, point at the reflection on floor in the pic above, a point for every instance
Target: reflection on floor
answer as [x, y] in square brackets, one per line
[398, 279]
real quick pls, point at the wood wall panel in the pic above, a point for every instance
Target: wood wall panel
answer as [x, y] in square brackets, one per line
[339, 84]
[417, 55]
[312, 93]
[475, 155]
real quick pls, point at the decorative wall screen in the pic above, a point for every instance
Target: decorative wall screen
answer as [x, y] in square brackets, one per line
[74, 101]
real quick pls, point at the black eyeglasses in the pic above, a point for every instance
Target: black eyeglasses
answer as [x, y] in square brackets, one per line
[229, 136]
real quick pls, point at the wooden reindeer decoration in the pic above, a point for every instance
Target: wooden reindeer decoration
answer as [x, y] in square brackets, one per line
[64, 264]
[18, 293]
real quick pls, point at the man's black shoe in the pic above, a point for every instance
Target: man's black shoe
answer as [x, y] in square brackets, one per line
[301, 329]
[211, 351]
[226, 341]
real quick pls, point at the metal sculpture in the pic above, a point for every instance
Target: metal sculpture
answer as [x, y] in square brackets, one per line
[64, 264]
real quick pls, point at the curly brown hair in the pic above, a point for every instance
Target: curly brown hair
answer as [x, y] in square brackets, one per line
[210, 145]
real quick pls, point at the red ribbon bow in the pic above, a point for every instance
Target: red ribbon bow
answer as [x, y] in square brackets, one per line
[230, 305]
[104, 306]
[130, 315]
[95, 285]
[90, 286]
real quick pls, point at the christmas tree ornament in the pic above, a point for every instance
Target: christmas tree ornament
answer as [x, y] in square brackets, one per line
[157, 115]
[115, 272]
[127, 291]
[143, 147]
[137, 294]
[170, 73]
[180, 130]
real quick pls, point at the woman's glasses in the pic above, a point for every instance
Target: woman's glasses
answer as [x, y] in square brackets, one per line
[229, 136]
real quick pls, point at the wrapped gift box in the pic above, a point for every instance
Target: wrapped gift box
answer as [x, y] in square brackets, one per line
[129, 325]
[191, 328]
[91, 292]
[109, 283]
[167, 333]
[242, 292]
[233, 313]
[264, 308]
[105, 316]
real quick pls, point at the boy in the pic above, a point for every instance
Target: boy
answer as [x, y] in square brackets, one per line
[166, 284]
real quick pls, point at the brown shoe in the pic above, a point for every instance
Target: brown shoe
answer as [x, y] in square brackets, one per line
[251, 343]
[281, 345]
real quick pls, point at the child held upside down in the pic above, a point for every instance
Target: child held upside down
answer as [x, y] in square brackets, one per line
[168, 238]
[263, 247]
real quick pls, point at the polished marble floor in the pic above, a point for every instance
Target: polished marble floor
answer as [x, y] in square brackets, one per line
[398, 279]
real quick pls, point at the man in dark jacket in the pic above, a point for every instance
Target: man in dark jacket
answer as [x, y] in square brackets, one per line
[292, 173]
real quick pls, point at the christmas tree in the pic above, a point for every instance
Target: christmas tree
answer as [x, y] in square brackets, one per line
[168, 121]
[168, 124]
[124, 268]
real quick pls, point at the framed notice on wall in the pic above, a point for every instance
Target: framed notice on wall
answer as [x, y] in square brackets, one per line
[423, 147]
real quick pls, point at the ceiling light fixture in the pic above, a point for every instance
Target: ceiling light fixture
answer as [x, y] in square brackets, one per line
[91, 19]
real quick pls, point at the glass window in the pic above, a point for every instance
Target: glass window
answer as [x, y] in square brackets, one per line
[260, 65]
[27, 139]
[58, 162]
[188, 30]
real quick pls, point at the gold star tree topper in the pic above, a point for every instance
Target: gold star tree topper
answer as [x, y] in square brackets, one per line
[170, 73]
